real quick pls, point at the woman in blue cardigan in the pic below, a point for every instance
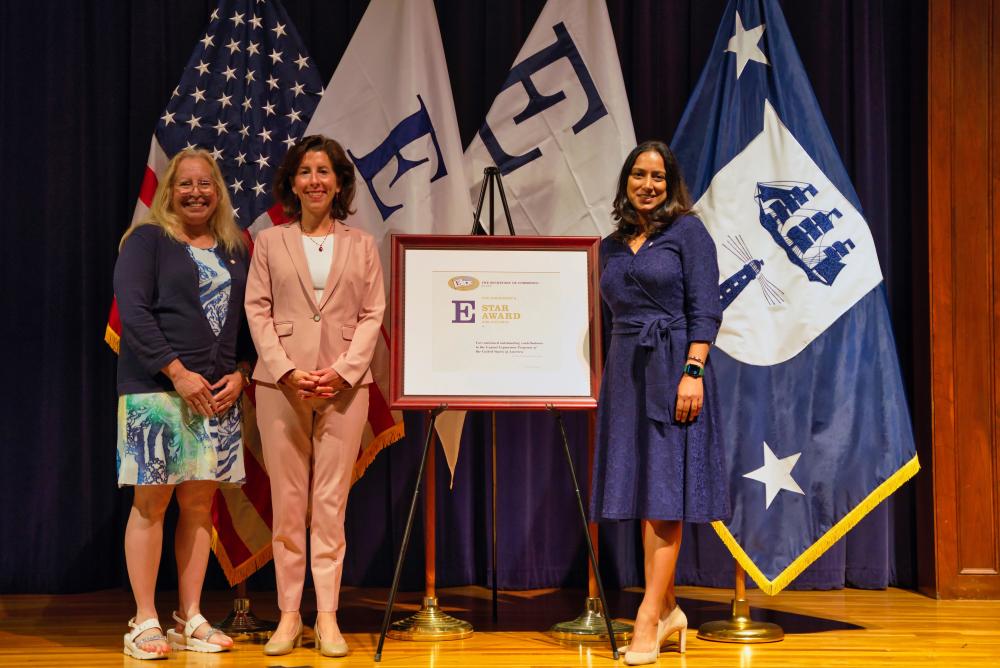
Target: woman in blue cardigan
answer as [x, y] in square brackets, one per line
[179, 282]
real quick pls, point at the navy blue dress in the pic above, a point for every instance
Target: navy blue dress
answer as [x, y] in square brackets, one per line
[658, 301]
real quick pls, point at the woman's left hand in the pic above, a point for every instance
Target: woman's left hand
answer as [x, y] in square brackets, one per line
[227, 391]
[328, 383]
[690, 396]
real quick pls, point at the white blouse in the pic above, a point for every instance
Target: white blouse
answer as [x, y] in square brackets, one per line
[319, 262]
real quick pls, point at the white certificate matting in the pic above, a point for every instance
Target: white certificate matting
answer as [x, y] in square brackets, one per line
[496, 323]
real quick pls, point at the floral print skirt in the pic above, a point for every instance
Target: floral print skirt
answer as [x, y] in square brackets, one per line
[161, 441]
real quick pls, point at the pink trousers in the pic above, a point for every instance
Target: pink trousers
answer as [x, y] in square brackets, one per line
[309, 450]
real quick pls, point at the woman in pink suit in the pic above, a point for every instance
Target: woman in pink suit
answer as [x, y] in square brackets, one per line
[314, 301]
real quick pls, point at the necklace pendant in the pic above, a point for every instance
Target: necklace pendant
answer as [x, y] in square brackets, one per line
[321, 248]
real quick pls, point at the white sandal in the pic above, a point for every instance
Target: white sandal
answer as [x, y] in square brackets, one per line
[132, 648]
[188, 641]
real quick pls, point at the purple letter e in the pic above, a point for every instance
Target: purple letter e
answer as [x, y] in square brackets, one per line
[464, 311]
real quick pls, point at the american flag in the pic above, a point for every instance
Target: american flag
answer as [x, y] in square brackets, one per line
[246, 95]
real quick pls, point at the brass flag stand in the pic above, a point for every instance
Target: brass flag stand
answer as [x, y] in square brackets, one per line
[591, 625]
[739, 628]
[430, 623]
[242, 622]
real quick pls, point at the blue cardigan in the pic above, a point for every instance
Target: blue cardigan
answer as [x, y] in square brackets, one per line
[156, 286]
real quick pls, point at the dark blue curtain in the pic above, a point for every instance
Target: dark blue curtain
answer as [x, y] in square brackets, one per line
[81, 87]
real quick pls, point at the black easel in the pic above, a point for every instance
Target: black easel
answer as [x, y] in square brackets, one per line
[491, 181]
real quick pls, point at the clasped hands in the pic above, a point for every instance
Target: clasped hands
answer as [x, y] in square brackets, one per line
[319, 384]
[201, 396]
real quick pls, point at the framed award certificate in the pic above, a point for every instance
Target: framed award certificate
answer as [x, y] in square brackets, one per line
[480, 322]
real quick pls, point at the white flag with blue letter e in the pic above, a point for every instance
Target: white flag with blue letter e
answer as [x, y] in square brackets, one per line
[558, 131]
[389, 104]
[815, 420]
[560, 127]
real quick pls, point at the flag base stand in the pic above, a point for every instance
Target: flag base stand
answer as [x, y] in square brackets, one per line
[591, 625]
[430, 624]
[740, 628]
[242, 622]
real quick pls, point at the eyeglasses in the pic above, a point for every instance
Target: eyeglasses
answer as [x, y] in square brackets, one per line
[203, 185]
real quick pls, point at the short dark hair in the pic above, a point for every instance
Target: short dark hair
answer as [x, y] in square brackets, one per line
[343, 168]
[678, 200]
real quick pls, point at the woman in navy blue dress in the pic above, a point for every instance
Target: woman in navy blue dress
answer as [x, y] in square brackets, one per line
[658, 456]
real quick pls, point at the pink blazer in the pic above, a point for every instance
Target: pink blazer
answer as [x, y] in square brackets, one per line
[292, 331]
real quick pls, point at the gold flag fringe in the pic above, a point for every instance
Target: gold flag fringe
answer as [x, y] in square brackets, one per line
[835, 533]
[113, 339]
[238, 574]
[378, 444]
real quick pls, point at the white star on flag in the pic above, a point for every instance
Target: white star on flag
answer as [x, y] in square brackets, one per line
[776, 474]
[744, 44]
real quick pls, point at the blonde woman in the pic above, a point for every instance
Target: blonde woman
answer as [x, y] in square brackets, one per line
[179, 281]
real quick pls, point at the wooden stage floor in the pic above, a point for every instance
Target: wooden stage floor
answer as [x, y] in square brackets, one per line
[837, 628]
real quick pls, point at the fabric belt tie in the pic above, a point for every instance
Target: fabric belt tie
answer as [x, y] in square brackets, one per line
[657, 337]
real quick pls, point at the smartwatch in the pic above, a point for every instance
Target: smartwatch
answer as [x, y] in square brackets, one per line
[694, 370]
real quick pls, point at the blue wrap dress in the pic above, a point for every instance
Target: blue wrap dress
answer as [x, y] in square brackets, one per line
[656, 302]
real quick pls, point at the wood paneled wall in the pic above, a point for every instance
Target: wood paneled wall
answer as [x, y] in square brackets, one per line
[960, 521]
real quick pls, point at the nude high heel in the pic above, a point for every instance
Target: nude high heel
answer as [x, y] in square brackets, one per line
[280, 647]
[330, 648]
[675, 622]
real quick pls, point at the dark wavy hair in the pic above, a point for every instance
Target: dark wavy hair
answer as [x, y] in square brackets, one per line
[677, 203]
[343, 168]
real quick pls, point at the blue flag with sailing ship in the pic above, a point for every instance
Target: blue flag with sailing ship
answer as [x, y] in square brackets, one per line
[815, 419]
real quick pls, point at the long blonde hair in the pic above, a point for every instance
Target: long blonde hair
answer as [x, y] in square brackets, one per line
[222, 224]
